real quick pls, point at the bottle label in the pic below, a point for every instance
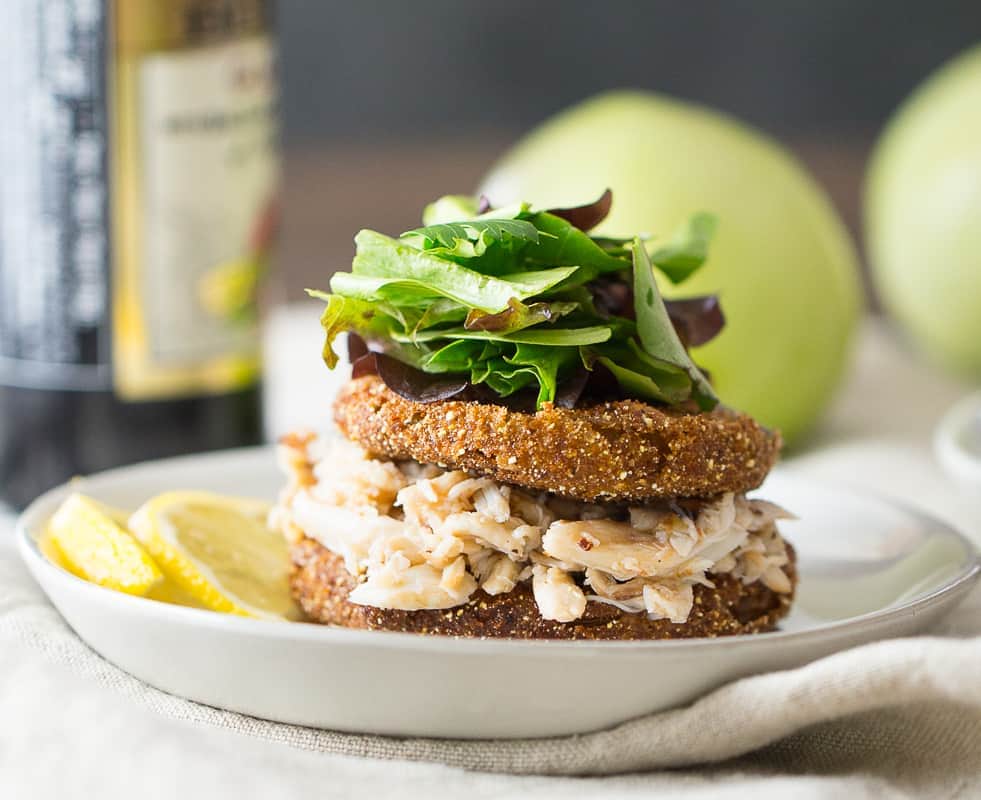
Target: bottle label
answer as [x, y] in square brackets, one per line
[194, 210]
[54, 241]
[137, 200]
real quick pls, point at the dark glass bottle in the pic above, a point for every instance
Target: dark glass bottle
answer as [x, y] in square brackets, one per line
[136, 221]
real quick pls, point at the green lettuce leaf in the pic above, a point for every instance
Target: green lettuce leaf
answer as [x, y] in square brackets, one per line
[526, 365]
[636, 384]
[439, 312]
[399, 272]
[461, 208]
[614, 247]
[461, 355]
[477, 232]
[641, 375]
[504, 379]
[566, 245]
[556, 337]
[489, 243]
[545, 364]
[657, 334]
[450, 208]
[346, 314]
[402, 292]
[687, 250]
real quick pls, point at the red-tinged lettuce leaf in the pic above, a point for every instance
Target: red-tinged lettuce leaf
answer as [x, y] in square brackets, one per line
[483, 204]
[364, 365]
[416, 385]
[602, 386]
[613, 297]
[362, 355]
[697, 320]
[356, 347]
[517, 316]
[588, 216]
[570, 391]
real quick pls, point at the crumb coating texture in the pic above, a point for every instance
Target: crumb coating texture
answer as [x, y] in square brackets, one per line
[321, 584]
[624, 450]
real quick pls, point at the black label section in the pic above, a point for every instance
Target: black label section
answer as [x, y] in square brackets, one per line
[54, 196]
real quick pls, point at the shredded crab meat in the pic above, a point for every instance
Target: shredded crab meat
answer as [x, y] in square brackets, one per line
[556, 594]
[421, 537]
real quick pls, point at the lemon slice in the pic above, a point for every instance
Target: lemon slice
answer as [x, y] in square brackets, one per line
[219, 551]
[94, 546]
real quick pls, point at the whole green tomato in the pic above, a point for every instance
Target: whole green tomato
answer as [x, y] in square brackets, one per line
[923, 215]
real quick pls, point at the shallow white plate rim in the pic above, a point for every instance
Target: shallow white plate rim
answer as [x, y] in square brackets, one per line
[29, 523]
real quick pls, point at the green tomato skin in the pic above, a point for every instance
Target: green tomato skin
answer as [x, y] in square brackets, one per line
[923, 215]
[781, 260]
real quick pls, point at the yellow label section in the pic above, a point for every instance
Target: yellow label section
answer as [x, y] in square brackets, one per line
[194, 206]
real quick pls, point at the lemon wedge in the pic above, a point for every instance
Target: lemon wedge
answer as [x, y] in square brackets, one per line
[219, 551]
[93, 545]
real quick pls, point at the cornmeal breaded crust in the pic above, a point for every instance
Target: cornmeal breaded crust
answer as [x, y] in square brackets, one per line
[624, 450]
[321, 584]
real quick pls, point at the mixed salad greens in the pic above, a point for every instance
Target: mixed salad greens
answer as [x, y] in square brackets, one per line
[515, 304]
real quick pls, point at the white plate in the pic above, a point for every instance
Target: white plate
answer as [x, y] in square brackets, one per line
[869, 570]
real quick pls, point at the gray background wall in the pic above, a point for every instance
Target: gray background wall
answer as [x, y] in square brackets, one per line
[383, 69]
